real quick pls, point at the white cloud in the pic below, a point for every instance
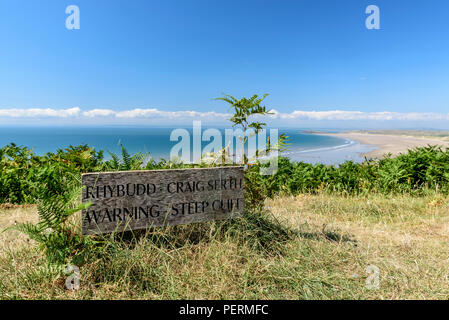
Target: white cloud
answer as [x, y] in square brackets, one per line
[99, 113]
[188, 115]
[40, 113]
[102, 113]
[155, 113]
[359, 115]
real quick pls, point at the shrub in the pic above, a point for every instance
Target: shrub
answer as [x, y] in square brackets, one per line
[414, 172]
[25, 177]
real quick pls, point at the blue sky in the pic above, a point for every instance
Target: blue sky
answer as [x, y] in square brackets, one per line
[172, 56]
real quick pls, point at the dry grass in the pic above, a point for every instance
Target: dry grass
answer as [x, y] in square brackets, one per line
[9, 215]
[336, 239]
[406, 238]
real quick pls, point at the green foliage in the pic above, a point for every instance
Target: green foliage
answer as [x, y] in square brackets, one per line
[127, 161]
[54, 233]
[15, 166]
[414, 172]
[25, 177]
[243, 109]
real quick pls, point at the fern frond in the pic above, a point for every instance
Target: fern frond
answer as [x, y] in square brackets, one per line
[114, 163]
[49, 213]
[54, 212]
[67, 213]
[126, 159]
[31, 230]
[137, 160]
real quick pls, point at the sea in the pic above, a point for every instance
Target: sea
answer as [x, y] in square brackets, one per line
[303, 145]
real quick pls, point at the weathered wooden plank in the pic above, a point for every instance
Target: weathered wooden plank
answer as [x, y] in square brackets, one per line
[131, 200]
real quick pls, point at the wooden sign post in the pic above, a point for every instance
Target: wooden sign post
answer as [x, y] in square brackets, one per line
[131, 200]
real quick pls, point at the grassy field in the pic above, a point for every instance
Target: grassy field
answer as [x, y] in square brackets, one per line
[304, 247]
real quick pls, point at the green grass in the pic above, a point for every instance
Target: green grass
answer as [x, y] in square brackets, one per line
[303, 247]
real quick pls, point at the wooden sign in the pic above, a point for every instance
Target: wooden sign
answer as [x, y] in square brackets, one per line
[130, 200]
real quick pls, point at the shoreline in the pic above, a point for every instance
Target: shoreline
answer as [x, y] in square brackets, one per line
[387, 143]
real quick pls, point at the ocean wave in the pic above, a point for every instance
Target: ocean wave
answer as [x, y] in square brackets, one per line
[346, 144]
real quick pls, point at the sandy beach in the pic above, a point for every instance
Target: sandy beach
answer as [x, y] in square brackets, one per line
[389, 143]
